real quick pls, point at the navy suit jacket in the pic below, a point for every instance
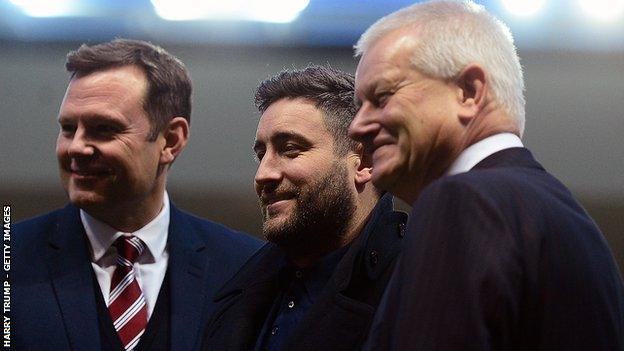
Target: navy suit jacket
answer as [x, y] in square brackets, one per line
[501, 258]
[53, 305]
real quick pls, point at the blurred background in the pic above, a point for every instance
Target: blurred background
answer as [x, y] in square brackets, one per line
[572, 53]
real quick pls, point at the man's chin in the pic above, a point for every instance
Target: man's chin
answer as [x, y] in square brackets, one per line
[86, 200]
[273, 230]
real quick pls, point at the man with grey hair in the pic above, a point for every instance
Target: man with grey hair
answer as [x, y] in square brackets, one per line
[498, 254]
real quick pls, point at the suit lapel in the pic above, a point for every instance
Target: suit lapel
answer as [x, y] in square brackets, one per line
[187, 265]
[72, 280]
[245, 301]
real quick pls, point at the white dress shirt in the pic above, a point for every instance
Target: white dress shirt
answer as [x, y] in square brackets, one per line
[150, 267]
[478, 151]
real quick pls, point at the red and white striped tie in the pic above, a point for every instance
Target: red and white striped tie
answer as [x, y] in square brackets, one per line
[126, 302]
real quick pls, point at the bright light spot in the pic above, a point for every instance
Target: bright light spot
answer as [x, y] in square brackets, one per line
[277, 11]
[523, 7]
[606, 10]
[181, 10]
[47, 8]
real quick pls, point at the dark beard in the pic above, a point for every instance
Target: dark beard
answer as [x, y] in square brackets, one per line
[321, 217]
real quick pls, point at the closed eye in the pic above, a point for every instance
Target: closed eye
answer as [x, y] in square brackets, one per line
[107, 129]
[381, 99]
[68, 128]
[291, 150]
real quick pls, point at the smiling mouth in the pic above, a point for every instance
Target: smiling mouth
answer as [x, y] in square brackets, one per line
[271, 200]
[89, 174]
[272, 204]
[273, 208]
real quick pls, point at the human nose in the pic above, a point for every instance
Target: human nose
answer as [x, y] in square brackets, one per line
[268, 173]
[363, 125]
[80, 145]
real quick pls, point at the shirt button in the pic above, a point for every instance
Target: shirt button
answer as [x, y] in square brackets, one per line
[291, 304]
[401, 230]
[374, 258]
[274, 330]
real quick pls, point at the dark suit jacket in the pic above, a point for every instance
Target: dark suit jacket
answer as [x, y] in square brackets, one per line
[340, 317]
[54, 308]
[501, 258]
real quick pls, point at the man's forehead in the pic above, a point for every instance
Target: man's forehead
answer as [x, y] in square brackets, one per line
[308, 131]
[282, 130]
[130, 80]
[294, 115]
[379, 76]
[112, 94]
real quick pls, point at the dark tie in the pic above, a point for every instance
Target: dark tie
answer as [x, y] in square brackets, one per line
[126, 302]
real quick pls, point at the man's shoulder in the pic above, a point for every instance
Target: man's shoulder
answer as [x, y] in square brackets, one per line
[473, 183]
[33, 228]
[30, 239]
[42, 219]
[498, 182]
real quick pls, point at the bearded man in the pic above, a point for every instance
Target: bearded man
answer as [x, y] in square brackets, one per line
[333, 239]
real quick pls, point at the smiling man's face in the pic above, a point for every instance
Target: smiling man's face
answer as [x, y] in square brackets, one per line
[407, 120]
[105, 158]
[302, 182]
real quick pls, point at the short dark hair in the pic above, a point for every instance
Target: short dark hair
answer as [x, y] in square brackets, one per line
[331, 91]
[168, 83]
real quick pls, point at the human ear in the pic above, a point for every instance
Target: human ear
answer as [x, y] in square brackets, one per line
[472, 84]
[176, 137]
[364, 166]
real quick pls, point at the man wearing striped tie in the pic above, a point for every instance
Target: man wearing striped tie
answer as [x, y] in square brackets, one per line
[120, 268]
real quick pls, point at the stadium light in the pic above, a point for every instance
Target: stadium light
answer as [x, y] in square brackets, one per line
[605, 10]
[47, 8]
[276, 11]
[523, 7]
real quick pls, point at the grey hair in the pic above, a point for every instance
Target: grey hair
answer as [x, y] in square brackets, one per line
[452, 35]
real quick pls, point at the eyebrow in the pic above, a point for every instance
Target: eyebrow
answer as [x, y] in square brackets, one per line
[281, 137]
[368, 91]
[93, 118]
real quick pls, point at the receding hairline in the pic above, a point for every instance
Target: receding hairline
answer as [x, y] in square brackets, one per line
[142, 78]
[421, 15]
[130, 66]
[409, 30]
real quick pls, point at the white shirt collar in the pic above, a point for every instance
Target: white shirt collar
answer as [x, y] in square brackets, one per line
[154, 234]
[478, 151]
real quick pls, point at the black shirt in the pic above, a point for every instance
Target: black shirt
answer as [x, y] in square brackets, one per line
[299, 289]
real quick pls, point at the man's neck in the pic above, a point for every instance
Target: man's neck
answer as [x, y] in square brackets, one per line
[129, 217]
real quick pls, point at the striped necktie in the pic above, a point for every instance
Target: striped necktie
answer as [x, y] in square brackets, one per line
[126, 302]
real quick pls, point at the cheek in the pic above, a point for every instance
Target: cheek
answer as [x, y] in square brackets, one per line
[403, 114]
[303, 172]
[143, 163]
[61, 149]
[297, 175]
